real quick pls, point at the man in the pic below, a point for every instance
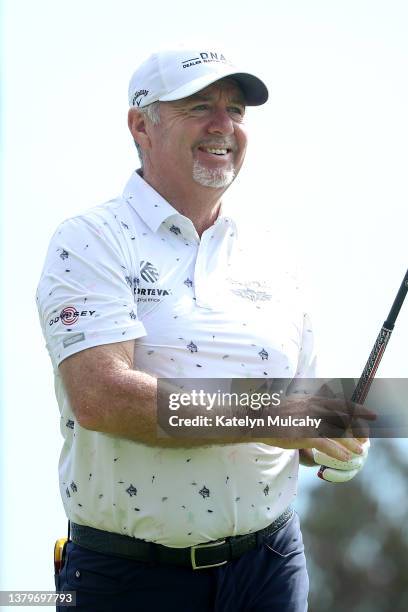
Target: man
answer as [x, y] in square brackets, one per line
[154, 285]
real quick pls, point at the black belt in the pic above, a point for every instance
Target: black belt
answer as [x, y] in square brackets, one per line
[200, 556]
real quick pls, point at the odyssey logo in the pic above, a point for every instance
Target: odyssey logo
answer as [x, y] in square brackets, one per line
[205, 57]
[70, 315]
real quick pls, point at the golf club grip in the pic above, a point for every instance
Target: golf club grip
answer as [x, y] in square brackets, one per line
[366, 378]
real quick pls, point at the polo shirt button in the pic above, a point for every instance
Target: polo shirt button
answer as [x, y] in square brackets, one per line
[77, 574]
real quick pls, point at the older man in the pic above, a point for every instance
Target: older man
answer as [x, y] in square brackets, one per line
[154, 285]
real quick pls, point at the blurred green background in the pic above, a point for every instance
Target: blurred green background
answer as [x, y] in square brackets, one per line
[356, 536]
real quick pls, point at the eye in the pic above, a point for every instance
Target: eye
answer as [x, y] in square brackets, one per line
[237, 110]
[200, 107]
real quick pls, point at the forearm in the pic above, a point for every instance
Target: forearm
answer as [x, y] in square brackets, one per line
[125, 405]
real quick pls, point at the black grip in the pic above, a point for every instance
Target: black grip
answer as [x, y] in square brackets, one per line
[364, 384]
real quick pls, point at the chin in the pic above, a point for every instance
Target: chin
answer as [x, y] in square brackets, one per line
[215, 178]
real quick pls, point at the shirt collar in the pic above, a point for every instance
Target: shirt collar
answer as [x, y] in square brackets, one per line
[147, 202]
[151, 206]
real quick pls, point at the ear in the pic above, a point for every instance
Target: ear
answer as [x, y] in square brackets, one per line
[137, 127]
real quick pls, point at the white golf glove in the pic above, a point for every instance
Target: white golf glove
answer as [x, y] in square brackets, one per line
[334, 470]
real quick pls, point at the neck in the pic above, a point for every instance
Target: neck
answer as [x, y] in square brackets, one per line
[199, 204]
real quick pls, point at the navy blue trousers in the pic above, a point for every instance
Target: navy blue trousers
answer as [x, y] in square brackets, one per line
[271, 578]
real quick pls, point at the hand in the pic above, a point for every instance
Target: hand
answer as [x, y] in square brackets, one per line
[333, 470]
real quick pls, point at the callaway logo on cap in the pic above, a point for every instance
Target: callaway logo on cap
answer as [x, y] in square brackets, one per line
[175, 74]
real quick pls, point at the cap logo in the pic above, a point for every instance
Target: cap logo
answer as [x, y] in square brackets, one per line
[139, 94]
[205, 57]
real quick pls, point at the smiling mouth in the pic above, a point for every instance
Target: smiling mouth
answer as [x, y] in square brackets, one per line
[215, 150]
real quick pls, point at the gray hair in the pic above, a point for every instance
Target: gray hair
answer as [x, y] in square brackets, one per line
[152, 114]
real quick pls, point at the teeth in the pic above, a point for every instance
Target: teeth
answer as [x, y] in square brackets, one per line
[218, 151]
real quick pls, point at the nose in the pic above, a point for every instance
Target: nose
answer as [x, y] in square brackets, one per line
[220, 122]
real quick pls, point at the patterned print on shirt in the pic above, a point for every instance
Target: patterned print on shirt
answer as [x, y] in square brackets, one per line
[133, 283]
[204, 492]
[131, 491]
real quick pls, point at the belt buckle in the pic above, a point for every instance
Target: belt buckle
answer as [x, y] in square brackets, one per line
[211, 544]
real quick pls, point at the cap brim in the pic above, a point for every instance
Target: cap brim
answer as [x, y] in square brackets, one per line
[254, 90]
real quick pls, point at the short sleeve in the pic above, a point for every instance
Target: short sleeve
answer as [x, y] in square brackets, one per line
[86, 293]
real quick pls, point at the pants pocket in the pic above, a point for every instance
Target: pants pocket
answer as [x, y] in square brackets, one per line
[90, 571]
[287, 541]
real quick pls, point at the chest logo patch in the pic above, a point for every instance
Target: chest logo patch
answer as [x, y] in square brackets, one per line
[255, 291]
[150, 275]
[148, 272]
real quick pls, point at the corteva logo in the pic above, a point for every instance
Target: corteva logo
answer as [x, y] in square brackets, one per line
[148, 272]
[158, 292]
[204, 57]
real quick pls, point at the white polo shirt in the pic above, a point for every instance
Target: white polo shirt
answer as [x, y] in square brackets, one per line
[135, 268]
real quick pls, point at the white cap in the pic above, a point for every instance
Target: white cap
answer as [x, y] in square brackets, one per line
[175, 74]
